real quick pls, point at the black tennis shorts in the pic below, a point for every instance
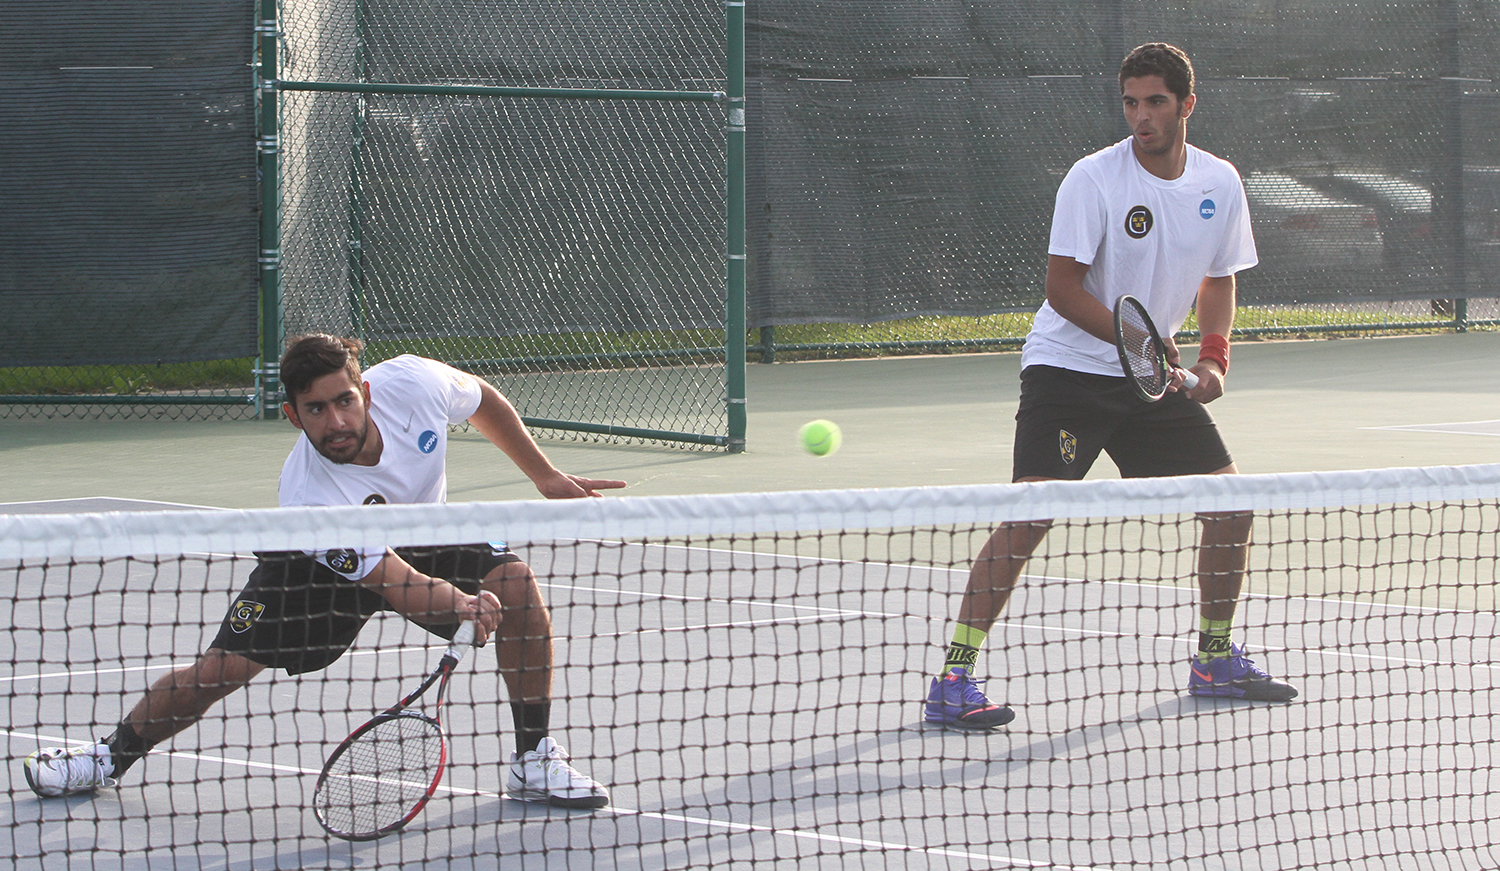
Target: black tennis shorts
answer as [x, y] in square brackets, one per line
[297, 614]
[1066, 418]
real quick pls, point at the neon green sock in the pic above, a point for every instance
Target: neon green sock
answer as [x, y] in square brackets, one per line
[1213, 639]
[964, 651]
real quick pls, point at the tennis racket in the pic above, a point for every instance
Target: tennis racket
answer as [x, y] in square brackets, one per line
[1143, 355]
[382, 775]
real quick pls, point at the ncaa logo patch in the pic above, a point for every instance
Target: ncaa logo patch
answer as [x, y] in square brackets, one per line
[1138, 222]
[1067, 445]
[244, 614]
[1207, 209]
[345, 562]
[427, 442]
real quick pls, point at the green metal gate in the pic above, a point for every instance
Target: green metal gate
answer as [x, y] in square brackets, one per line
[593, 314]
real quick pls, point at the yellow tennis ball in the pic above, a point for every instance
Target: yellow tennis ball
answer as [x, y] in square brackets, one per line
[821, 437]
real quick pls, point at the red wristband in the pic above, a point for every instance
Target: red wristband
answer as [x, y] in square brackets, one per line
[1214, 347]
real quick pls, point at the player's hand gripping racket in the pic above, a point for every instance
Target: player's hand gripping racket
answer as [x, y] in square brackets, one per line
[381, 777]
[1143, 355]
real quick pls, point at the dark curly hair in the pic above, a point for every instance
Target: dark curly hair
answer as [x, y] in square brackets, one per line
[310, 357]
[1160, 59]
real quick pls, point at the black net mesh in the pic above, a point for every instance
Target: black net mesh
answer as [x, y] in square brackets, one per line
[749, 675]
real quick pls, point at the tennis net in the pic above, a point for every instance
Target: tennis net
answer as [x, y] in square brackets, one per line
[746, 674]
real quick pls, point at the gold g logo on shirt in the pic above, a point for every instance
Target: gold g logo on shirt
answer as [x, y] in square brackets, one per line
[1138, 222]
[1067, 445]
[244, 614]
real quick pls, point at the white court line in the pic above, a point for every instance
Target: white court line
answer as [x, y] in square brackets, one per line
[1173, 640]
[135, 669]
[1489, 428]
[64, 504]
[1322, 600]
[705, 822]
[828, 613]
[675, 597]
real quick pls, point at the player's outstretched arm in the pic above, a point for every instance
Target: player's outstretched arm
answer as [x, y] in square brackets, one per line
[432, 600]
[498, 421]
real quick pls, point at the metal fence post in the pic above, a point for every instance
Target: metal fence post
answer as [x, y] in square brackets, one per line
[268, 374]
[735, 339]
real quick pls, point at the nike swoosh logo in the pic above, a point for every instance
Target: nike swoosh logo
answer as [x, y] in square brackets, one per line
[1209, 190]
[1200, 675]
[407, 426]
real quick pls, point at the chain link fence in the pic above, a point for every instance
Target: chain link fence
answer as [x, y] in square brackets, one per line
[901, 165]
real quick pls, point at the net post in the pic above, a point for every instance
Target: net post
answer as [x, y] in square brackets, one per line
[268, 381]
[735, 339]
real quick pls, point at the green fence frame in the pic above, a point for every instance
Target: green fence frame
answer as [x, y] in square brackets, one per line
[268, 165]
[733, 102]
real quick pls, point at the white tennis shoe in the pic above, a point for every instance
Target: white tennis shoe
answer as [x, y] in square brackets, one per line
[544, 775]
[56, 771]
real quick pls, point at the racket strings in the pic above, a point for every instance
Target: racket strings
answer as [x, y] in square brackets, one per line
[1146, 365]
[383, 775]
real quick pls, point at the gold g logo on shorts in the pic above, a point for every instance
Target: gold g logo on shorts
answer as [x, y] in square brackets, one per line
[244, 614]
[1067, 444]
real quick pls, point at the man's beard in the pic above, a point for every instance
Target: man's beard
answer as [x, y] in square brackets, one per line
[347, 455]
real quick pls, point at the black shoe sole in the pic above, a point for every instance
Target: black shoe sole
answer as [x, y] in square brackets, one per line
[1254, 691]
[1267, 691]
[592, 802]
[1001, 717]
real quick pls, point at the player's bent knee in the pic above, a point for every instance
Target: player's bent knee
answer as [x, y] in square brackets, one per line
[515, 585]
[507, 572]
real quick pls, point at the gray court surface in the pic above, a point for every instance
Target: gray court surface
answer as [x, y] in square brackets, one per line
[752, 709]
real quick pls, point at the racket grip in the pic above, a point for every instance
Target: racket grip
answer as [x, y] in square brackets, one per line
[463, 639]
[1189, 380]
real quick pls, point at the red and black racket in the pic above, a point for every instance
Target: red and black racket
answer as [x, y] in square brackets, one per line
[383, 774]
[1143, 355]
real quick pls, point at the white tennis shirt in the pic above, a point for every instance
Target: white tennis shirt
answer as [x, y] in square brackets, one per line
[412, 401]
[1142, 235]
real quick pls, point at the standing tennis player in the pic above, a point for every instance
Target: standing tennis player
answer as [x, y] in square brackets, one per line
[372, 440]
[1157, 218]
